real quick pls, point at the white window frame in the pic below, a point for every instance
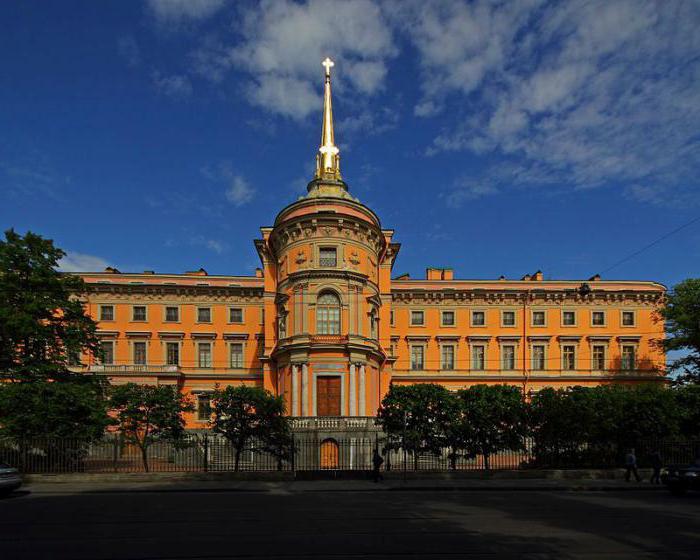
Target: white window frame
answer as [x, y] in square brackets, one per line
[230, 310]
[145, 352]
[165, 313]
[472, 356]
[454, 356]
[605, 318]
[561, 351]
[410, 356]
[113, 345]
[545, 355]
[199, 411]
[622, 318]
[199, 354]
[328, 247]
[605, 356]
[114, 312]
[532, 318]
[454, 318]
[574, 324]
[410, 317]
[230, 355]
[515, 318]
[514, 346]
[211, 314]
[635, 355]
[133, 313]
[179, 352]
[471, 318]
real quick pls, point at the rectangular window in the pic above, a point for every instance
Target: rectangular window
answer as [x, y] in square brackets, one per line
[328, 256]
[598, 318]
[478, 357]
[391, 318]
[448, 357]
[538, 319]
[417, 318]
[538, 357]
[417, 353]
[106, 313]
[172, 353]
[172, 314]
[235, 315]
[568, 357]
[628, 318]
[204, 354]
[140, 353]
[204, 314]
[448, 318]
[568, 318]
[237, 355]
[508, 318]
[598, 357]
[203, 407]
[107, 352]
[629, 357]
[508, 357]
[138, 313]
[478, 318]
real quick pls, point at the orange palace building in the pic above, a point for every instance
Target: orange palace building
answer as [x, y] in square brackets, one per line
[324, 324]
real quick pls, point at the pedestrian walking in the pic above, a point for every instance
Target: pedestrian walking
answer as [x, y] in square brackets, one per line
[656, 464]
[377, 461]
[631, 466]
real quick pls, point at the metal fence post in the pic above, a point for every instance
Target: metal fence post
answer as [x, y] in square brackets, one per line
[206, 453]
[294, 455]
[115, 452]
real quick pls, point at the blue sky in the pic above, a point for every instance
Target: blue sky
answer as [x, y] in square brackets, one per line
[494, 137]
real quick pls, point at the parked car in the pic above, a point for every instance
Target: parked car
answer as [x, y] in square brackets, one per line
[680, 479]
[10, 479]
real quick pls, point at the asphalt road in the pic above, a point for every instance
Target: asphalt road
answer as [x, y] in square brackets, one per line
[345, 525]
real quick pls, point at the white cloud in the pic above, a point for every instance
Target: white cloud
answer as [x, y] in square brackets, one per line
[80, 262]
[175, 11]
[172, 86]
[239, 191]
[129, 50]
[467, 188]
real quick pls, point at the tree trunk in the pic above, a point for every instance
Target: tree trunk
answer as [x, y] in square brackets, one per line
[487, 463]
[144, 458]
[453, 460]
[237, 458]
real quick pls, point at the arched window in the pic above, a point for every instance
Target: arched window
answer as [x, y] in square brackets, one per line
[328, 314]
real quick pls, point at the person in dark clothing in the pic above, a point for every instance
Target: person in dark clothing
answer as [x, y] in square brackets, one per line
[377, 462]
[656, 464]
[631, 466]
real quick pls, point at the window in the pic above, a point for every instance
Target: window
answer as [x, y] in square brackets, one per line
[448, 318]
[568, 318]
[328, 256]
[598, 318]
[138, 313]
[172, 353]
[140, 353]
[106, 313]
[628, 318]
[508, 357]
[328, 314]
[204, 314]
[539, 362]
[204, 354]
[538, 319]
[417, 354]
[629, 357]
[391, 317]
[172, 314]
[598, 357]
[236, 355]
[417, 318]
[478, 357]
[568, 357]
[447, 357]
[235, 315]
[203, 407]
[107, 352]
[508, 318]
[478, 318]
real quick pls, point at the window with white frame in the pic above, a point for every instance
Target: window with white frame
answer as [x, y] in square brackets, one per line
[478, 318]
[172, 314]
[328, 256]
[106, 313]
[628, 319]
[138, 313]
[203, 406]
[598, 318]
[447, 358]
[172, 353]
[568, 318]
[236, 351]
[508, 357]
[629, 357]
[235, 315]
[204, 314]
[539, 357]
[598, 357]
[328, 314]
[478, 357]
[448, 318]
[107, 352]
[204, 354]
[417, 318]
[417, 357]
[568, 357]
[140, 353]
[508, 318]
[538, 318]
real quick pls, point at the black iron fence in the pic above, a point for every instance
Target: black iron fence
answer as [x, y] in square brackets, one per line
[204, 452]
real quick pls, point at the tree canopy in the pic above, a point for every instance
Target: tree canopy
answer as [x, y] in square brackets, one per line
[682, 317]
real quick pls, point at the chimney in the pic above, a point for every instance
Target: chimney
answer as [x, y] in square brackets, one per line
[537, 276]
[439, 274]
[111, 270]
[258, 273]
[502, 278]
[594, 278]
[200, 272]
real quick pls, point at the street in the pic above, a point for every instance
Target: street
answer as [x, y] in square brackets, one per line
[363, 524]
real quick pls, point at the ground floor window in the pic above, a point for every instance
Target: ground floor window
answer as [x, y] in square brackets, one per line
[203, 406]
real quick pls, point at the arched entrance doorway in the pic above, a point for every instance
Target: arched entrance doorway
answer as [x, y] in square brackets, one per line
[329, 454]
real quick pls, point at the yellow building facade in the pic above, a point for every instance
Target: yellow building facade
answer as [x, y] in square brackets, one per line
[325, 325]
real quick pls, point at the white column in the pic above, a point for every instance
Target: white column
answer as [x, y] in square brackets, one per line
[353, 395]
[295, 390]
[363, 405]
[304, 390]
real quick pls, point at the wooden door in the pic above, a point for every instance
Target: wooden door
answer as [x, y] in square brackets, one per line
[328, 395]
[329, 454]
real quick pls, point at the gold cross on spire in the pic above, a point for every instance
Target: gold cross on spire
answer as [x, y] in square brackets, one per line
[328, 64]
[328, 160]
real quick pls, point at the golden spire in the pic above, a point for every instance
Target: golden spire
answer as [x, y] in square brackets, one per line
[328, 158]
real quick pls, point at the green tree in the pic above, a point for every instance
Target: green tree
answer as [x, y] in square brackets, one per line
[687, 398]
[43, 325]
[416, 418]
[682, 318]
[251, 414]
[149, 413]
[489, 419]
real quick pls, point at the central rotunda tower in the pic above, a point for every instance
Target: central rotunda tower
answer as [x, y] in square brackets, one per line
[327, 312]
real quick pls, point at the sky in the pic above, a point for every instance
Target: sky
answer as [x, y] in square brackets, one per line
[494, 137]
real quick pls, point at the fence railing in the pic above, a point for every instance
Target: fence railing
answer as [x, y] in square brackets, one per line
[201, 453]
